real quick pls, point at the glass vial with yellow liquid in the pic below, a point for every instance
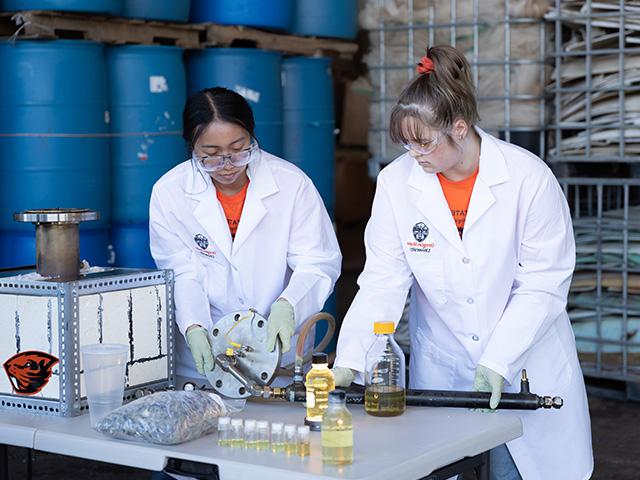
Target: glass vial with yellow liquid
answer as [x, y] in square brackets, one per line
[337, 431]
[224, 432]
[262, 435]
[318, 384]
[277, 437]
[237, 432]
[250, 434]
[304, 442]
[384, 394]
[290, 445]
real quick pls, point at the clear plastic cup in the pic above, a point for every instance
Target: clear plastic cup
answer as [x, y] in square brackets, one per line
[104, 367]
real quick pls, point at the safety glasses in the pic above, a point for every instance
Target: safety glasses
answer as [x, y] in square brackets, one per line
[213, 163]
[424, 148]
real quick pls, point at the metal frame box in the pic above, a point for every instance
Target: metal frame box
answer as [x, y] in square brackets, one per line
[46, 323]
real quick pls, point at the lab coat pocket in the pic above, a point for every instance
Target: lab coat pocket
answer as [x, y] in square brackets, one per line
[430, 275]
[433, 368]
[217, 282]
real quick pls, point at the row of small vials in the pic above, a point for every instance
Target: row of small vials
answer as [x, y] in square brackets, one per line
[256, 434]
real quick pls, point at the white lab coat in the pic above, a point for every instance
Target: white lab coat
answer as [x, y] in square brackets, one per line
[285, 246]
[496, 297]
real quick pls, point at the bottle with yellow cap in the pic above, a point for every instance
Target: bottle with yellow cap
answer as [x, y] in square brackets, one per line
[384, 394]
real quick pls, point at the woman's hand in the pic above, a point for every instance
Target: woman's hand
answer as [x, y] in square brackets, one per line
[280, 324]
[489, 381]
[198, 341]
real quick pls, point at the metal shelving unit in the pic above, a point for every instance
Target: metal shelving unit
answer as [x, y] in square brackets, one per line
[596, 84]
[506, 48]
[604, 303]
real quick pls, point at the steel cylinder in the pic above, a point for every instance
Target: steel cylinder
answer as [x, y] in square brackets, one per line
[58, 251]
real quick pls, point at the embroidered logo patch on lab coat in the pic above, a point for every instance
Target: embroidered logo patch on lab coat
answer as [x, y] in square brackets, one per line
[420, 231]
[201, 241]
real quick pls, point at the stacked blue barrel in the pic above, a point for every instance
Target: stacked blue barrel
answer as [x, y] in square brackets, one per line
[270, 14]
[54, 145]
[164, 10]
[147, 91]
[253, 73]
[110, 7]
[326, 18]
[309, 123]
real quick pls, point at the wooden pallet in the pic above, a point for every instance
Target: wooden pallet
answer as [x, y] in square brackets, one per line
[224, 35]
[117, 30]
[103, 29]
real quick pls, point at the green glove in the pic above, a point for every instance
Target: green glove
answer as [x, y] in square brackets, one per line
[489, 381]
[198, 342]
[280, 324]
[342, 376]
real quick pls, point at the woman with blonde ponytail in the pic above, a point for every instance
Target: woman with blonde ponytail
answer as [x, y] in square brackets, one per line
[480, 231]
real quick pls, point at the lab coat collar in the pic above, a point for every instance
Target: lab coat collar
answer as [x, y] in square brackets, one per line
[430, 200]
[209, 213]
[262, 185]
[492, 171]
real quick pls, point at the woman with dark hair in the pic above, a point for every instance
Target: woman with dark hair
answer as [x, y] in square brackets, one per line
[480, 231]
[241, 229]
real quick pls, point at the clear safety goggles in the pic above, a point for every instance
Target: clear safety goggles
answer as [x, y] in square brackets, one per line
[424, 148]
[213, 163]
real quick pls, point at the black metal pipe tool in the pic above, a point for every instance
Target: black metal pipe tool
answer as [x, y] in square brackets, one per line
[524, 400]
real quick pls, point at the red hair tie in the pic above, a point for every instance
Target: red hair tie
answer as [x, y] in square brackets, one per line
[425, 65]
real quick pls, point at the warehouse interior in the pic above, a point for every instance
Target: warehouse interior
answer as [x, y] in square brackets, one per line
[91, 105]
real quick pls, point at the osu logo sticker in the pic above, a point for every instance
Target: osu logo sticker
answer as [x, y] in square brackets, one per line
[420, 231]
[201, 241]
[29, 371]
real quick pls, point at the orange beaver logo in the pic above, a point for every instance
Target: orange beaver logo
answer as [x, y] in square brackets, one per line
[29, 371]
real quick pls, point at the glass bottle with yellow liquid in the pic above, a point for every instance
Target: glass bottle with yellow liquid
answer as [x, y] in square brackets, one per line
[318, 384]
[384, 394]
[337, 431]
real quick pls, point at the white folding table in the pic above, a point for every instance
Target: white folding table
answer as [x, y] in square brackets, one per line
[431, 443]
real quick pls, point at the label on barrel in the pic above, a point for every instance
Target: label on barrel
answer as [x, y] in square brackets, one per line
[158, 84]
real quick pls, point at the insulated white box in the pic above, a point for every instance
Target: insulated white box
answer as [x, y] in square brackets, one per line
[45, 323]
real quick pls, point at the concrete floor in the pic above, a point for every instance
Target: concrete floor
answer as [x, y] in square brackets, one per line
[616, 443]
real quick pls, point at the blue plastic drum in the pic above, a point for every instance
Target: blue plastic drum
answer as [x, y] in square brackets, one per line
[147, 93]
[54, 144]
[271, 14]
[165, 10]
[326, 18]
[131, 245]
[255, 74]
[112, 7]
[309, 123]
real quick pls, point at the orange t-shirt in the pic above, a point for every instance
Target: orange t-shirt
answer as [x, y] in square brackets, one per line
[232, 206]
[458, 195]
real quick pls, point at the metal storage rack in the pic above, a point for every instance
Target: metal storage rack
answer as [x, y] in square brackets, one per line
[595, 106]
[596, 84]
[506, 49]
[604, 303]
